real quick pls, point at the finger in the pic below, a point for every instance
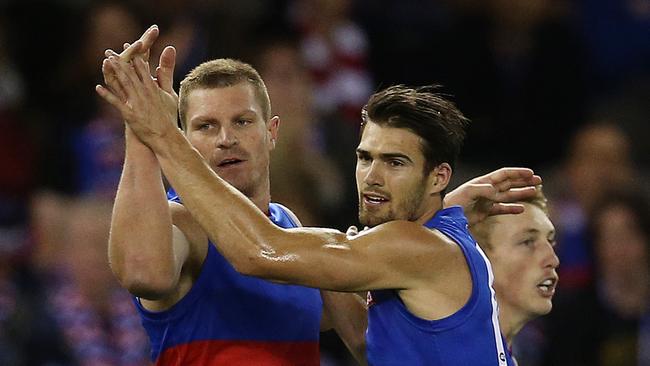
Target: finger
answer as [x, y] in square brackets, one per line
[484, 190]
[142, 46]
[144, 54]
[503, 174]
[165, 69]
[110, 80]
[131, 51]
[506, 209]
[126, 77]
[352, 231]
[517, 182]
[148, 39]
[516, 194]
[112, 99]
[143, 72]
[109, 52]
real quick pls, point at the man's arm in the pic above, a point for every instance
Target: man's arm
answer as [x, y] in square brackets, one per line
[147, 252]
[392, 255]
[348, 316]
[140, 248]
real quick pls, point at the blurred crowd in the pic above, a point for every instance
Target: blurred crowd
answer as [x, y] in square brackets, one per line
[559, 86]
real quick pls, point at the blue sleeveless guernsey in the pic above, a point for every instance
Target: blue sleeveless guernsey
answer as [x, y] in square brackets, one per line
[469, 337]
[230, 319]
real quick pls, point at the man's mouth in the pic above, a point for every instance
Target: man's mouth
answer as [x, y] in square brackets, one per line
[547, 287]
[374, 199]
[229, 162]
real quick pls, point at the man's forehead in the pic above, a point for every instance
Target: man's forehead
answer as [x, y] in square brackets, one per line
[239, 98]
[381, 139]
[532, 221]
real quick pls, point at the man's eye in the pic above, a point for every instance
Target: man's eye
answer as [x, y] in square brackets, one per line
[528, 242]
[396, 163]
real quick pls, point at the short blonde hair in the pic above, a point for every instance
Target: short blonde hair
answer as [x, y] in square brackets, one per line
[220, 73]
[481, 231]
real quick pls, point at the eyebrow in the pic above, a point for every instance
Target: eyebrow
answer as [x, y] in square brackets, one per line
[239, 114]
[536, 231]
[385, 156]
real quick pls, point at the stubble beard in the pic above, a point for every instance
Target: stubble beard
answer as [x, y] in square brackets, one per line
[408, 209]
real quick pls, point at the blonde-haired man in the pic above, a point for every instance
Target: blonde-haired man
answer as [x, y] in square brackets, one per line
[521, 251]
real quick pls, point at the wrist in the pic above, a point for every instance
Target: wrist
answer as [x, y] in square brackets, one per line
[165, 143]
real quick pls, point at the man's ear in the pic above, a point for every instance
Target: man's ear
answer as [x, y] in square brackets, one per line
[439, 178]
[273, 128]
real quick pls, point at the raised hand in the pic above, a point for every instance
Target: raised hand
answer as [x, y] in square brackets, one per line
[140, 47]
[494, 193]
[148, 105]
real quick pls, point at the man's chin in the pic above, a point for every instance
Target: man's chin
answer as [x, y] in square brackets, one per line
[372, 221]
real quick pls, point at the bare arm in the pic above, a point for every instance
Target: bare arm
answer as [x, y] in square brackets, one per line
[348, 315]
[393, 255]
[385, 257]
[146, 252]
[140, 246]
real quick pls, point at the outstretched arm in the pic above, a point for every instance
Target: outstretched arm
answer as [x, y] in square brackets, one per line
[393, 255]
[492, 193]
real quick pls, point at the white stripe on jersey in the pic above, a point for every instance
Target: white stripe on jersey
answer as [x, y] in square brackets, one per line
[501, 353]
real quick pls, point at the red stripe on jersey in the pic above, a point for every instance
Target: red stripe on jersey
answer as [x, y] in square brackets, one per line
[235, 353]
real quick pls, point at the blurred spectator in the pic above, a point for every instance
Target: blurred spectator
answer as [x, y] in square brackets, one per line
[94, 314]
[599, 157]
[302, 176]
[335, 50]
[28, 335]
[609, 324]
[24, 323]
[17, 153]
[82, 134]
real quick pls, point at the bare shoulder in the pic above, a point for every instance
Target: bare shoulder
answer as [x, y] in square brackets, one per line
[408, 231]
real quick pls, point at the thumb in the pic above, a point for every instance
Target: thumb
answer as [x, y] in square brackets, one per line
[165, 69]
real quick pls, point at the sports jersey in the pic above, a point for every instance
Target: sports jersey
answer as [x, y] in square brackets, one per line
[470, 337]
[231, 319]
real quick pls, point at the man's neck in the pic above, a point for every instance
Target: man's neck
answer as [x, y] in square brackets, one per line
[510, 325]
[429, 213]
[261, 198]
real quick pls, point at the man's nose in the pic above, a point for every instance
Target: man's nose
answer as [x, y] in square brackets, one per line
[551, 259]
[226, 138]
[374, 175]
